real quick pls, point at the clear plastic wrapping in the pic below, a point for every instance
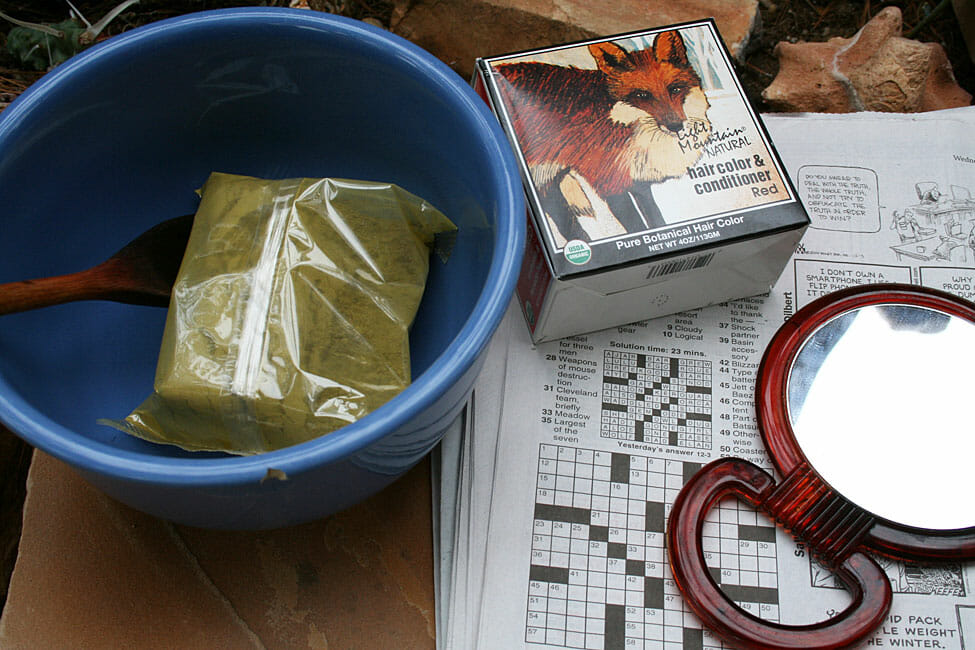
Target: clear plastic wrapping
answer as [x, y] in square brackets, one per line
[290, 314]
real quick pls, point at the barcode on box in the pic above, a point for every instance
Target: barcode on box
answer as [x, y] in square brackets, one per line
[677, 266]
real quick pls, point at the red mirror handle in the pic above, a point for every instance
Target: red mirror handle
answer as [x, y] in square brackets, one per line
[866, 581]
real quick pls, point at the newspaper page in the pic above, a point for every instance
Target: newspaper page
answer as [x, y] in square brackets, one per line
[573, 497]
[462, 480]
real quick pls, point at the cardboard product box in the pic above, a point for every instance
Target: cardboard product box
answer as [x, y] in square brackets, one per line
[652, 185]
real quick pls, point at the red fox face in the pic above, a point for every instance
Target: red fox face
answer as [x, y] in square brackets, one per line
[656, 81]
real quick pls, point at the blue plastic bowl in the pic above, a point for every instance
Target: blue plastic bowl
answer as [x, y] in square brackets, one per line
[119, 137]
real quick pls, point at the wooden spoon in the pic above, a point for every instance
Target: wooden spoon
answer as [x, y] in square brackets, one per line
[141, 273]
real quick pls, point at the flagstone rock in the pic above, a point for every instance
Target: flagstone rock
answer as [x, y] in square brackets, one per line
[875, 70]
[93, 573]
[459, 31]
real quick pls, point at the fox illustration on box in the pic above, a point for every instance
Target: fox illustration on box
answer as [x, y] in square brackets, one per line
[595, 140]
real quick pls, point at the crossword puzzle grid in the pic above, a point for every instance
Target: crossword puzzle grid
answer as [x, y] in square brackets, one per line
[599, 578]
[656, 399]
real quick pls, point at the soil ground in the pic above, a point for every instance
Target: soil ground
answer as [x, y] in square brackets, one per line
[784, 20]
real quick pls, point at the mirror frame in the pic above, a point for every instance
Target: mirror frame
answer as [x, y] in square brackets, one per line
[771, 402]
[836, 531]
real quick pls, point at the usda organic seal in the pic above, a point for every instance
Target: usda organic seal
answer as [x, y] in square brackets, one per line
[577, 251]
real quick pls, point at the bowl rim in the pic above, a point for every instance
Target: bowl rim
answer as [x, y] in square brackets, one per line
[457, 358]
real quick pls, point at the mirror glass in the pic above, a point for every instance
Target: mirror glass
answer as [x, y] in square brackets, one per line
[882, 403]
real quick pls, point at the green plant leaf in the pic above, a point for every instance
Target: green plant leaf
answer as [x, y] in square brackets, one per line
[39, 50]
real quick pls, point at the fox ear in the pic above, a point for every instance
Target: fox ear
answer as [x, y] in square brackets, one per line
[610, 57]
[669, 46]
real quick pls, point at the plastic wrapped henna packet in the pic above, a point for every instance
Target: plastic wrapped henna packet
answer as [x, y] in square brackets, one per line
[290, 315]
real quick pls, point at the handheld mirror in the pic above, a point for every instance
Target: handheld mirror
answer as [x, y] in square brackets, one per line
[863, 399]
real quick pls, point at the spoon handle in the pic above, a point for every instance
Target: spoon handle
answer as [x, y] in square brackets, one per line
[107, 281]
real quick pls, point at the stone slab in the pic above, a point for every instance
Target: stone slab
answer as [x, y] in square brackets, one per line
[459, 31]
[94, 573]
